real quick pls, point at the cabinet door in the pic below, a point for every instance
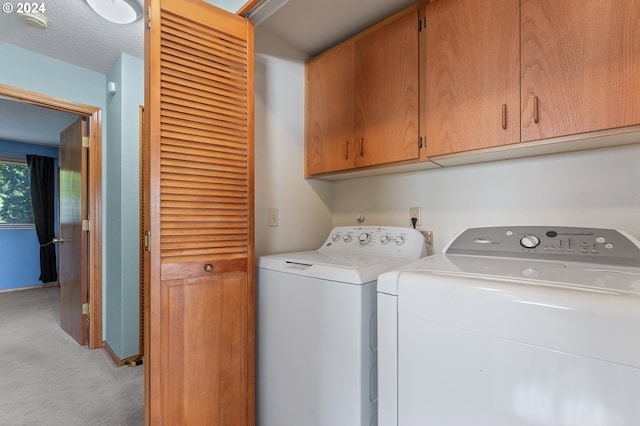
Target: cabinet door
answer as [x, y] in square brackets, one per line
[387, 93]
[472, 75]
[330, 139]
[581, 59]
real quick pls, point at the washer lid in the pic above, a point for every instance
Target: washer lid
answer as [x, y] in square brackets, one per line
[346, 268]
[341, 260]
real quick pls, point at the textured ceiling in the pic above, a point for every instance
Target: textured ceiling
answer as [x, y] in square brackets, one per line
[75, 34]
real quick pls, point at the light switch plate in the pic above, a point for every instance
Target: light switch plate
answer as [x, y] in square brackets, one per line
[272, 216]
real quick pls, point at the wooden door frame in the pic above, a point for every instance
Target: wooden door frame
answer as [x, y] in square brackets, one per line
[245, 8]
[94, 115]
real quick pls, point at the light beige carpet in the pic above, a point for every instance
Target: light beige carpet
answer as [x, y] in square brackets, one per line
[46, 378]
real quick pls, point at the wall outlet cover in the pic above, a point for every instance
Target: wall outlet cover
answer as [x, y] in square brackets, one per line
[414, 212]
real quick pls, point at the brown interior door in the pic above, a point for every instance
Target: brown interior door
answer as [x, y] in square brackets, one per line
[73, 248]
[199, 316]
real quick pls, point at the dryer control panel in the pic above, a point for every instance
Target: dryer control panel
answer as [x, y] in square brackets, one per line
[376, 240]
[558, 243]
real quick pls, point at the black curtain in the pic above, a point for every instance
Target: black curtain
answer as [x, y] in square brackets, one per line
[41, 173]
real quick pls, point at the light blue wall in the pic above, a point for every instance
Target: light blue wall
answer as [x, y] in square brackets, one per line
[19, 248]
[122, 293]
[133, 97]
[38, 73]
[113, 153]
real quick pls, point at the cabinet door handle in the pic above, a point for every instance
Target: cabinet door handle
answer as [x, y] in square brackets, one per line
[361, 147]
[536, 117]
[504, 116]
[346, 150]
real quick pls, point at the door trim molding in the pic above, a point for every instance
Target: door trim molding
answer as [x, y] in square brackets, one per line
[94, 115]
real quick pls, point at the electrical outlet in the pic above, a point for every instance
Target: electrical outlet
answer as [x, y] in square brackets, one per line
[414, 212]
[272, 216]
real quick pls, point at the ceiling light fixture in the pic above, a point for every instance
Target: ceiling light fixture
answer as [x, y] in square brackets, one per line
[35, 19]
[117, 11]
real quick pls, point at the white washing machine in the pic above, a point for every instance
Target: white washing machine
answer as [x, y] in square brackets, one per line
[514, 326]
[316, 327]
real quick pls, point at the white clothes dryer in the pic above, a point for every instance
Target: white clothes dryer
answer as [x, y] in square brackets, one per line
[316, 327]
[514, 326]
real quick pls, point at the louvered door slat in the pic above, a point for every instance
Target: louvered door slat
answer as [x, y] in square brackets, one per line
[226, 82]
[216, 41]
[221, 92]
[204, 169]
[186, 137]
[203, 119]
[231, 112]
[195, 151]
[232, 123]
[223, 163]
[211, 86]
[223, 69]
[202, 139]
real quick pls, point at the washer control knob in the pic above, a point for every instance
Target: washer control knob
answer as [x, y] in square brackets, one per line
[399, 240]
[384, 239]
[530, 241]
[346, 238]
[364, 238]
[335, 237]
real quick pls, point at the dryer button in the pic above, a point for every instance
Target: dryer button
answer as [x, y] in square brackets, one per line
[530, 241]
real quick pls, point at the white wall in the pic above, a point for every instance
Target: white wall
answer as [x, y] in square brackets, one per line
[595, 188]
[304, 207]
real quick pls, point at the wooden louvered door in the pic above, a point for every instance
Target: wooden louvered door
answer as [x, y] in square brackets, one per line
[199, 355]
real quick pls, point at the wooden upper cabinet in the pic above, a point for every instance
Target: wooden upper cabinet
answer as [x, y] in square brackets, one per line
[362, 99]
[472, 75]
[387, 93]
[330, 131]
[581, 60]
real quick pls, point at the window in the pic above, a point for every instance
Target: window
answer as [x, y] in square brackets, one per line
[15, 195]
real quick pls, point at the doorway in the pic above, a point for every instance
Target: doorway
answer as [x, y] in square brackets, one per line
[94, 189]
